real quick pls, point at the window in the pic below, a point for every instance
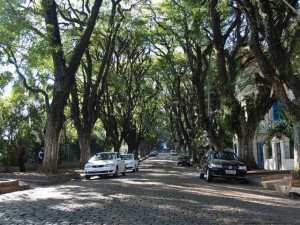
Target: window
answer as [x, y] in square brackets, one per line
[292, 149]
[277, 112]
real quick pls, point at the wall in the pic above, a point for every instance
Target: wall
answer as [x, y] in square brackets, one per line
[282, 163]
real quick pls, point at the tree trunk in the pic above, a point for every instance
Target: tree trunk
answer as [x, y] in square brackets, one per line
[133, 141]
[215, 139]
[195, 155]
[117, 145]
[241, 154]
[52, 141]
[64, 78]
[247, 147]
[84, 144]
[296, 172]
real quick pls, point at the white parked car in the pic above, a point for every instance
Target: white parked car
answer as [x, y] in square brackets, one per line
[130, 162]
[105, 163]
[173, 152]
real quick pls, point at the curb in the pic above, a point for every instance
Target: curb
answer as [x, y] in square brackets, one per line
[276, 182]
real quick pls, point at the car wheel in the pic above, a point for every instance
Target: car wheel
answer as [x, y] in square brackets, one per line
[124, 172]
[87, 177]
[137, 169]
[116, 174]
[201, 175]
[209, 176]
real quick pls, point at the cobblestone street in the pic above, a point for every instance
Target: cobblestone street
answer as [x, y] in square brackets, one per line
[160, 193]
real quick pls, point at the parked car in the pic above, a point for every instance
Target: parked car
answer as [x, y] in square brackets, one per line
[105, 163]
[183, 160]
[153, 153]
[130, 162]
[223, 164]
[173, 153]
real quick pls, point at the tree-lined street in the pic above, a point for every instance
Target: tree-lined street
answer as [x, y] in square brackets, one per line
[80, 77]
[160, 193]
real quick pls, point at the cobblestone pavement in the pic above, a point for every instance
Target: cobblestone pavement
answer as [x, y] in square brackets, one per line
[160, 193]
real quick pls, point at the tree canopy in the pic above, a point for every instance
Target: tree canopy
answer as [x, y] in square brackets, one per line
[186, 74]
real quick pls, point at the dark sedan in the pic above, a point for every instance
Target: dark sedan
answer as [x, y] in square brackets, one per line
[183, 160]
[223, 164]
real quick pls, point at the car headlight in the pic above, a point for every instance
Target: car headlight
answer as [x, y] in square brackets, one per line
[242, 168]
[109, 165]
[87, 166]
[215, 165]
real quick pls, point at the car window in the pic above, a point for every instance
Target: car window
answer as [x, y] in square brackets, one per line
[204, 157]
[210, 156]
[214, 155]
[103, 156]
[224, 155]
[127, 157]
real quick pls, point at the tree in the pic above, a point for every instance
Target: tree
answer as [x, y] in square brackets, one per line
[130, 91]
[89, 86]
[48, 39]
[241, 114]
[184, 35]
[19, 122]
[274, 42]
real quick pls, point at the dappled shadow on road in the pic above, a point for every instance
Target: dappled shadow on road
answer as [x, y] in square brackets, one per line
[160, 193]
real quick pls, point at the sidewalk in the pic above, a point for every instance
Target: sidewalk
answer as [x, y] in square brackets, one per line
[277, 180]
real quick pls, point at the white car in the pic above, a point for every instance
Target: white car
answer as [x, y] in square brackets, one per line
[173, 152]
[105, 163]
[130, 162]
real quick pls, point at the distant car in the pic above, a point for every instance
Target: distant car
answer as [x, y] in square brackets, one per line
[223, 164]
[105, 163]
[173, 153]
[130, 162]
[183, 160]
[153, 153]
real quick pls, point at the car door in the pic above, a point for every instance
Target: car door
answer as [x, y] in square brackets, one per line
[121, 162]
[135, 161]
[204, 162]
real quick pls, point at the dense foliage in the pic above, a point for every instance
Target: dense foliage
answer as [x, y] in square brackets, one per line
[184, 74]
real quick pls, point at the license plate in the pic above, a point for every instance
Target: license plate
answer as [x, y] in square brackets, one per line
[230, 171]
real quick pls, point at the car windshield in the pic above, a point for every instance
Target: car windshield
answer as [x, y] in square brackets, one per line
[127, 157]
[183, 157]
[224, 155]
[103, 156]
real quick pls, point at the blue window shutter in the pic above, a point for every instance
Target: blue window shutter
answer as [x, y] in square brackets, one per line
[276, 112]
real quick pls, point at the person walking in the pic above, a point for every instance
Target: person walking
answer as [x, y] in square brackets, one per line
[41, 155]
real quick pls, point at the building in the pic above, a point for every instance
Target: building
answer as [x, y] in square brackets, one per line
[276, 153]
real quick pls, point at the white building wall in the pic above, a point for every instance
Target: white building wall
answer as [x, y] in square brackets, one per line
[284, 162]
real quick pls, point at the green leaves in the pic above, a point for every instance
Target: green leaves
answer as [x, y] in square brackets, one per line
[5, 79]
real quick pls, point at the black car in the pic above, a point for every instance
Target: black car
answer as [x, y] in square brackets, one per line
[183, 160]
[153, 153]
[223, 164]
